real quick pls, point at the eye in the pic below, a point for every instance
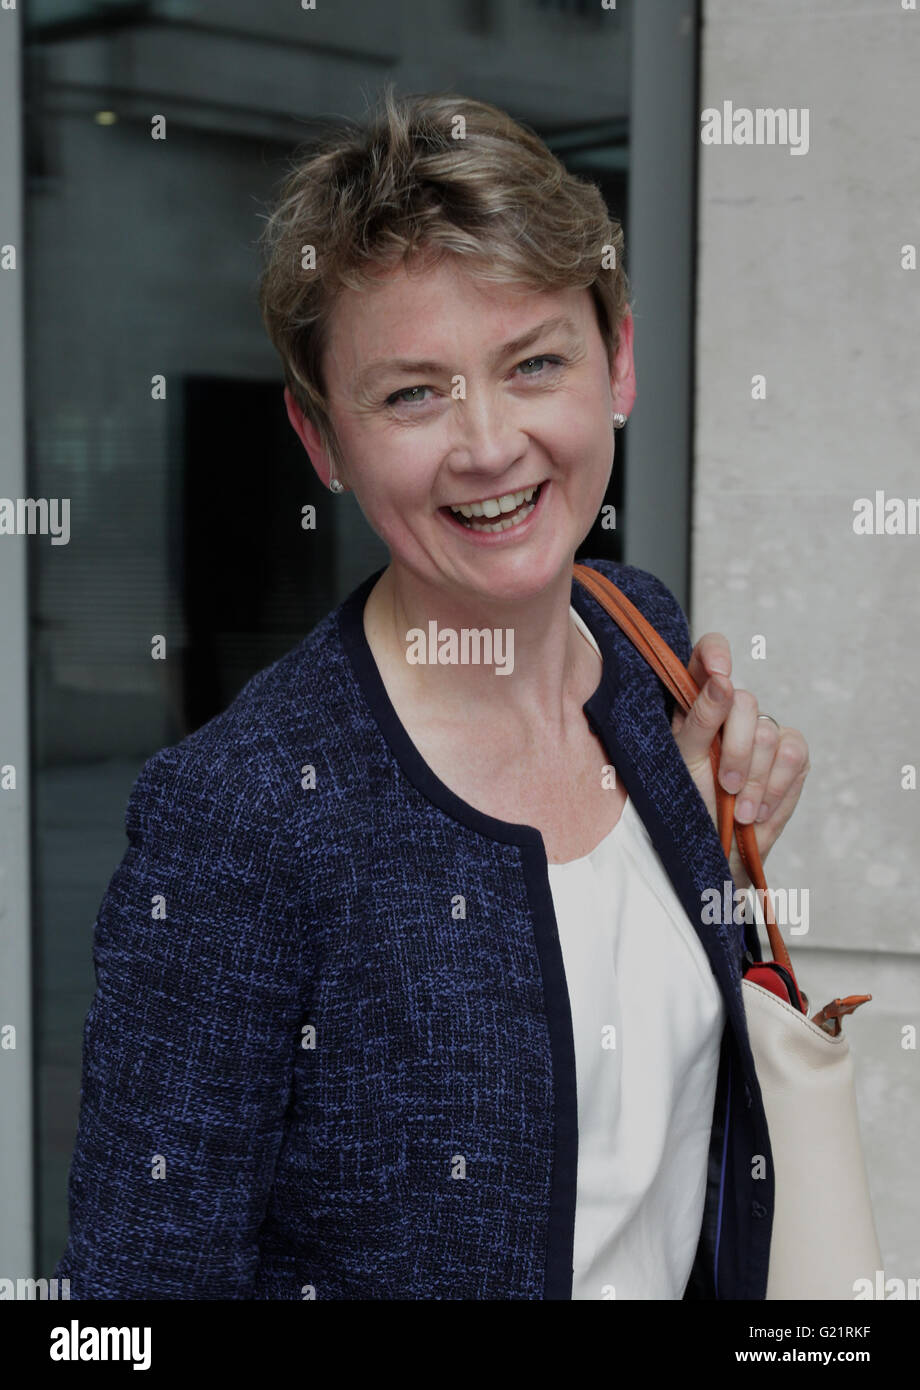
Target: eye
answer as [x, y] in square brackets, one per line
[555, 361]
[400, 397]
[411, 395]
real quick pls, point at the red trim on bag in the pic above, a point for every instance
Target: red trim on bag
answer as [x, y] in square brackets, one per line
[767, 978]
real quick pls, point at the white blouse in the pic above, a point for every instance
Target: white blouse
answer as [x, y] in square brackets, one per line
[648, 1017]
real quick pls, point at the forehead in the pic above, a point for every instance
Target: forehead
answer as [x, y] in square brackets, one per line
[432, 311]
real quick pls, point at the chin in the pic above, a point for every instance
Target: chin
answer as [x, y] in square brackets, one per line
[522, 576]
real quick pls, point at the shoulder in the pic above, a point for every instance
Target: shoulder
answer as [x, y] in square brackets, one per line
[241, 772]
[654, 600]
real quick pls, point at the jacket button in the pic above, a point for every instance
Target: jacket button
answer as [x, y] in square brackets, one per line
[758, 1209]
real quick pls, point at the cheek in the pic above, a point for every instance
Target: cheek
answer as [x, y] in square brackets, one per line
[395, 484]
[400, 467]
[580, 434]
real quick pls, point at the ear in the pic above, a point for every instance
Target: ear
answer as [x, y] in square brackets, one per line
[623, 374]
[310, 438]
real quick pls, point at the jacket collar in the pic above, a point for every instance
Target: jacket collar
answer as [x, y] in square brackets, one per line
[629, 712]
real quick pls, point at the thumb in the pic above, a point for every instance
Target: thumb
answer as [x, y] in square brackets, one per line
[704, 719]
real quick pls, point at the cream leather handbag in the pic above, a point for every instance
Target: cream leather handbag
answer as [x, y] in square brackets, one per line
[824, 1235]
[823, 1232]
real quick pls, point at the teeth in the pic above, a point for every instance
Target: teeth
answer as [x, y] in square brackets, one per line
[505, 524]
[495, 506]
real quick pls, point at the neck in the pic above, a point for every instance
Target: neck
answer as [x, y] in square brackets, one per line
[533, 663]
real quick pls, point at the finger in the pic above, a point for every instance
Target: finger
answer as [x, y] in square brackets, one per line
[753, 791]
[772, 826]
[790, 768]
[704, 719]
[712, 655]
[738, 741]
[769, 830]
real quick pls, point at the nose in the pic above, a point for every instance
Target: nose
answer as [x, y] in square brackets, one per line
[487, 434]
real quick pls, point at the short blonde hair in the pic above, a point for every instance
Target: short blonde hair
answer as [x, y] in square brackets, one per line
[404, 184]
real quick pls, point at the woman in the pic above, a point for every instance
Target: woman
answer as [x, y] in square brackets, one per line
[404, 989]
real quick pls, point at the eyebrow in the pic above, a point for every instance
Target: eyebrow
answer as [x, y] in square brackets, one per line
[381, 365]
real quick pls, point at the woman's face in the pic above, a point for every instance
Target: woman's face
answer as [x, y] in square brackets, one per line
[444, 390]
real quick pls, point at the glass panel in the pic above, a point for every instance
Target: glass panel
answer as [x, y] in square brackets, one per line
[155, 399]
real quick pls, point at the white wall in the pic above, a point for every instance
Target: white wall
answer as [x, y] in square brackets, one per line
[800, 279]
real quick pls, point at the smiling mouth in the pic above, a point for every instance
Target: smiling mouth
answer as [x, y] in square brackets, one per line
[502, 520]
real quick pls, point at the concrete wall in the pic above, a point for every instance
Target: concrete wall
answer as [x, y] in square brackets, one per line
[801, 280]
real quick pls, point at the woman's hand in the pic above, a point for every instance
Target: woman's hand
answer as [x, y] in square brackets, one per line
[765, 766]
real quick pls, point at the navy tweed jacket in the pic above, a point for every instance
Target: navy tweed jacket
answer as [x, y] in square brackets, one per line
[295, 1040]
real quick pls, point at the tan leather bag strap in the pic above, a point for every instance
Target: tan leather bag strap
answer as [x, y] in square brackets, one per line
[668, 666]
